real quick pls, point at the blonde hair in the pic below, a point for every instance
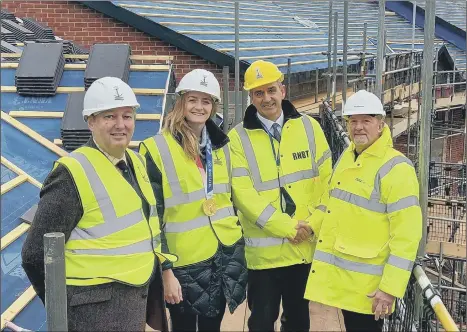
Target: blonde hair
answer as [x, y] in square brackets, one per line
[175, 124]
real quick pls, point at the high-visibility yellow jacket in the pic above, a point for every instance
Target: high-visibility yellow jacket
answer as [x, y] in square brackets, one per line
[305, 167]
[113, 241]
[370, 231]
[191, 234]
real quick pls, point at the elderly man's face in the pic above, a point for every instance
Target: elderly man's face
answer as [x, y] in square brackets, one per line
[268, 100]
[113, 129]
[364, 130]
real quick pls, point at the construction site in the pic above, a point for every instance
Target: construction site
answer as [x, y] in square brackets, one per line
[410, 53]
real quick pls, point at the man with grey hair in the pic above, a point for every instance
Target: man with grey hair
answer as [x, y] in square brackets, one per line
[370, 222]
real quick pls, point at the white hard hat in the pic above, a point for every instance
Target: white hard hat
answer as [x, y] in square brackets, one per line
[202, 81]
[363, 102]
[108, 93]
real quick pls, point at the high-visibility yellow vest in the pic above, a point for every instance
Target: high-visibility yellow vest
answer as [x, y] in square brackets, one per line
[305, 166]
[192, 235]
[113, 241]
[370, 231]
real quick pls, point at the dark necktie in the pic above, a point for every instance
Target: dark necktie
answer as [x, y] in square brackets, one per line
[275, 132]
[122, 165]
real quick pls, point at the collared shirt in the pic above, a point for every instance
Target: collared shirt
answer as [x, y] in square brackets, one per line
[112, 159]
[268, 123]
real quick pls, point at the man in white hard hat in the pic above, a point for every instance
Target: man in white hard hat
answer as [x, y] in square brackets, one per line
[100, 197]
[371, 222]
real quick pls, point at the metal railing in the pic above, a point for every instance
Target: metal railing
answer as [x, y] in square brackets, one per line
[422, 308]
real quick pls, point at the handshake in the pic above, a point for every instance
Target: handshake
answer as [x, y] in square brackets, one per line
[304, 231]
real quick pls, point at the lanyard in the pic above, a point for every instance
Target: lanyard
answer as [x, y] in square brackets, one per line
[276, 155]
[208, 175]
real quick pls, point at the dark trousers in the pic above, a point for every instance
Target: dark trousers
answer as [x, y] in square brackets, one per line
[183, 322]
[266, 289]
[356, 322]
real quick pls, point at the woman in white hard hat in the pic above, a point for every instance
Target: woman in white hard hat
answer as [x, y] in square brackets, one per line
[190, 171]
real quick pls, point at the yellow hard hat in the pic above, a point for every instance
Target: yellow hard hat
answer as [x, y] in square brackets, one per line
[261, 73]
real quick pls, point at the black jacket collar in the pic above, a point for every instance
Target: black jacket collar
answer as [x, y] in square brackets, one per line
[251, 121]
[217, 136]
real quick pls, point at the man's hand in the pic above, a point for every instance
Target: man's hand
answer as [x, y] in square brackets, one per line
[14, 327]
[304, 231]
[382, 304]
[172, 288]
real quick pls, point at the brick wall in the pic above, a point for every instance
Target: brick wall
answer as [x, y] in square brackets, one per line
[85, 27]
[454, 148]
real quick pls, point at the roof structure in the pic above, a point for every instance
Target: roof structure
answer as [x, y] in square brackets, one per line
[270, 30]
[30, 143]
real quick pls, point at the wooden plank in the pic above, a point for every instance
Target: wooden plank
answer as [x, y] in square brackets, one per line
[433, 272]
[19, 171]
[133, 144]
[450, 249]
[82, 66]
[260, 48]
[34, 135]
[273, 56]
[59, 115]
[20, 303]
[4, 188]
[86, 56]
[14, 234]
[63, 89]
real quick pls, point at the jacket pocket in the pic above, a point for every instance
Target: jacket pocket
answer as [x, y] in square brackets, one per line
[354, 247]
[91, 294]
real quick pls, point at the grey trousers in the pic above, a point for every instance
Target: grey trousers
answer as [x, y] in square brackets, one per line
[107, 307]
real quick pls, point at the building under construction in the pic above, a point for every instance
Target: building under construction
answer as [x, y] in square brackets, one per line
[411, 53]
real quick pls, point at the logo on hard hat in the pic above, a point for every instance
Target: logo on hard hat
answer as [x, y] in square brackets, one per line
[203, 82]
[258, 74]
[118, 96]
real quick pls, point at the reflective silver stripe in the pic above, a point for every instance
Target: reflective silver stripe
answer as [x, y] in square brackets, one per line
[153, 211]
[401, 263]
[348, 265]
[140, 157]
[372, 205]
[156, 241]
[253, 164]
[321, 208]
[311, 137]
[403, 203]
[264, 242]
[240, 171]
[265, 215]
[383, 171]
[285, 179]
[326, 155]
[178, 196]
[227, 160]
[170, 169]
[180, 227]
[135, 248]
[298, 176]
[112, 223]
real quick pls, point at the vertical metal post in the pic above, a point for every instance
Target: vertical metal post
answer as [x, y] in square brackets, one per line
[316, 85]
[225, 98]
[329, 49]
[55, 282]
[424, 153]
[238, 103]
[334, 69]
[392, 110]
[383, 76]
[465, 155]
[363, 69]
[244, 102]
[289, 64]
[380, 50]
[410, 102]
[411, 73]
[344, 57]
